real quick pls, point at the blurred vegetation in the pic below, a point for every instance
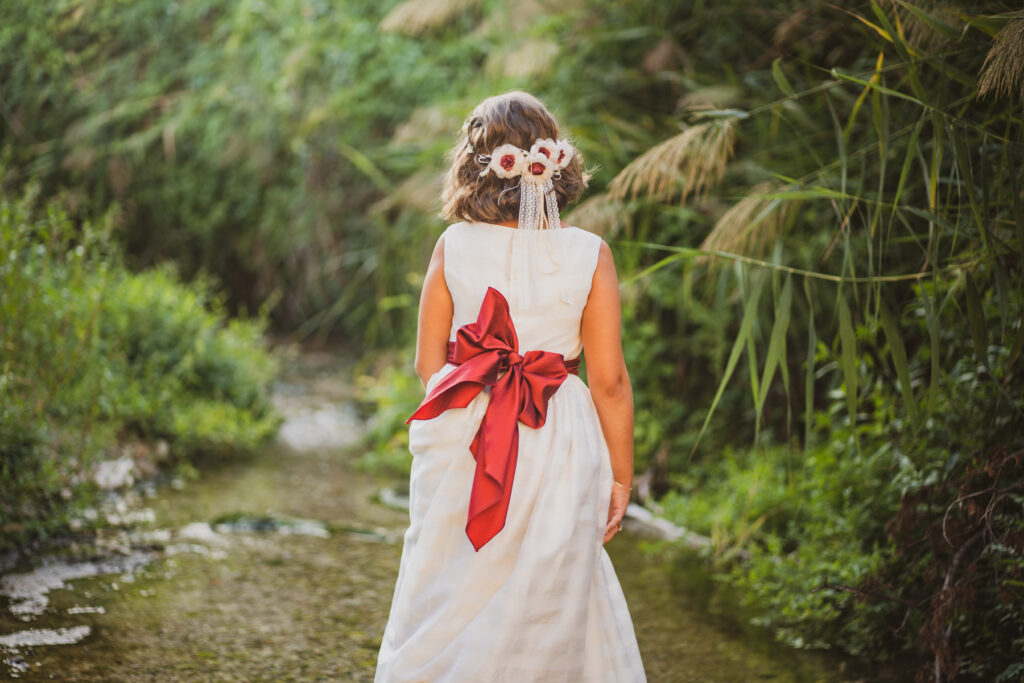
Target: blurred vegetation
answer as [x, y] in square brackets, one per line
[99, 363]
[816, 212]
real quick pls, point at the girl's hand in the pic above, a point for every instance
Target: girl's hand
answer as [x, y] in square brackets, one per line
[616, 511]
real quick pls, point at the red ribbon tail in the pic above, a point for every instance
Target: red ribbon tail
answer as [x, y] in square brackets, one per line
[489, 500]
[496, 449]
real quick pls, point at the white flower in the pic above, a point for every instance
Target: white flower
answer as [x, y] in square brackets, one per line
[538, 168]
[545, 146]
[507, 161]
[564, 153]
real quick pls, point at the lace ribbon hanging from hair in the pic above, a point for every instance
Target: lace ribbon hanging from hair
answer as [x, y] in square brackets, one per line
[551, 204]
[530, 209]
[537, 202]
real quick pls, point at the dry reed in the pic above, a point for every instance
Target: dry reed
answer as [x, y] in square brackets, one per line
[414, 17]
[1002, 73]
[751, 226]
[600, 214]
[420, 192]
[689, 163]
[426, 124]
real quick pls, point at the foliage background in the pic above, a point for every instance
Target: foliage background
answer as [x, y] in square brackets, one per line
[100, 363]
[816, 212]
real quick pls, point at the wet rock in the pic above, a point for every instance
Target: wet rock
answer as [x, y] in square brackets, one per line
[392, 498]
[202, 533]
[16, 664]
[272, 523]
[155, 538]
[28, 592]
[115, 474]
[377, 534]
[195, 549]
[143, 516]
[87, 609]
[45, 636]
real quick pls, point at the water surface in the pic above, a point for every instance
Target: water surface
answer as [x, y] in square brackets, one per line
[281, 567]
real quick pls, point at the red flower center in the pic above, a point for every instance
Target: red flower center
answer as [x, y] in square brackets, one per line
[537, 168]
[561, 155]
[545, 151]
[508, 161]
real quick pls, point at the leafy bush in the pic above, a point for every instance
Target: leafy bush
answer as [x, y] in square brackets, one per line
[183, 373]
[93, 356]
[389, 392]
[882, 538]
[248, 141]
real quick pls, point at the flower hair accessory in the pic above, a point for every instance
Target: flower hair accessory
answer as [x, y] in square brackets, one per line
[536, 169]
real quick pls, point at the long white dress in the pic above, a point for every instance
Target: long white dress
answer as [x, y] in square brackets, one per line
[540, 601]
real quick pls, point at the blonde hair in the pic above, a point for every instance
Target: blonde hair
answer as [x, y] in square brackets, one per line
[517, 118]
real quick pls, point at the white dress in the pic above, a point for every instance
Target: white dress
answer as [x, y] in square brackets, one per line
[540, 601]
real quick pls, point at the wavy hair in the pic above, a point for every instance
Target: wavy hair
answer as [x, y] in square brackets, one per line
[517, 118]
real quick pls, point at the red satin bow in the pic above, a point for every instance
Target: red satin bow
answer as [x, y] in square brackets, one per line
[483, 351]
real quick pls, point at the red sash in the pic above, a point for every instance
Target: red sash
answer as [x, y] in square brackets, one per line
[483, 351]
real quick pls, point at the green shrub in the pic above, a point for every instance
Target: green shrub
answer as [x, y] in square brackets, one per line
[879, 537]
[185, 374]
[389, 392]
[93, 356]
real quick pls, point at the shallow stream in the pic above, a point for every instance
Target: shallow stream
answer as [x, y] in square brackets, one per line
[281, 567]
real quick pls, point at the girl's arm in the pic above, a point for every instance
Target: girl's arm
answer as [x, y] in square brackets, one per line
[601, 329]
[435, 318]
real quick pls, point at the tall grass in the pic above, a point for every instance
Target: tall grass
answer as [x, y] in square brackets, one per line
[899, 220]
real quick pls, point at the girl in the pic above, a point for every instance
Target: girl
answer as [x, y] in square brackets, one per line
[520, 471]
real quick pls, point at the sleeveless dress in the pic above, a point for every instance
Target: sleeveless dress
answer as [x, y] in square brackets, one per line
[540, 601]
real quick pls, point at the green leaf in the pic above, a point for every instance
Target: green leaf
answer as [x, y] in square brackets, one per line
[776, 344]
[899, 359]
[812, 343]
[852, 118]
[848, 357]
[807, 193]
[963, 161]
[931, 317]
[976, 321]
[750, 312]
[880, 88]
[1004, 290]
[680, 253]
[887, 35]
[912, 151]
[780, 78]
[364, 164]
[840, 144]
[1018, 214]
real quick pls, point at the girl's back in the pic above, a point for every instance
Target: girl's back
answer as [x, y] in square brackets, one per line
[544, 274]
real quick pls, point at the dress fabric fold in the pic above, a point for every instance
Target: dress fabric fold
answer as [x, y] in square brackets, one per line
[487, 355]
